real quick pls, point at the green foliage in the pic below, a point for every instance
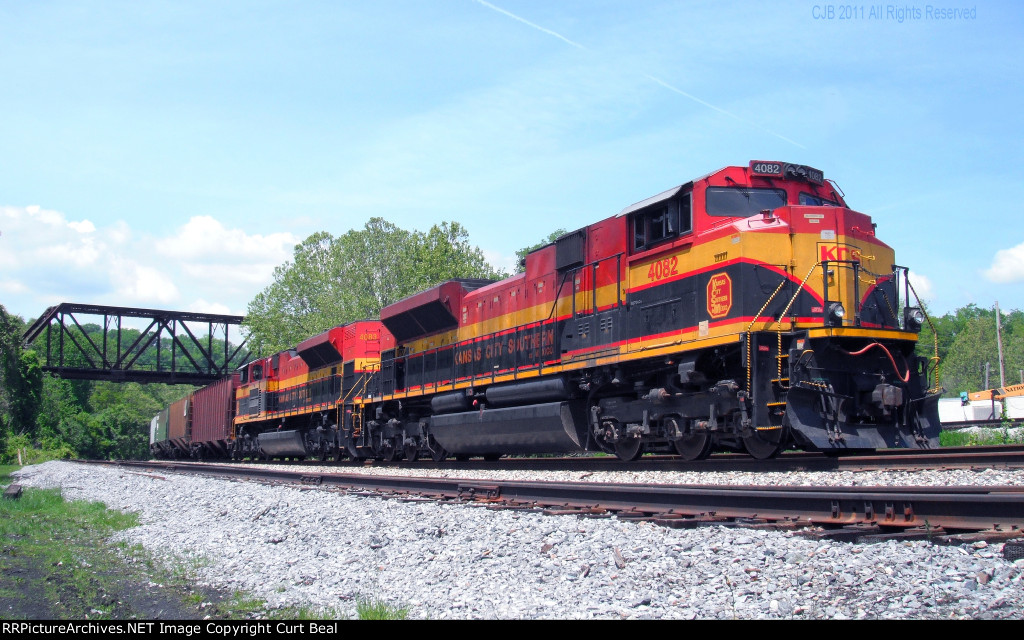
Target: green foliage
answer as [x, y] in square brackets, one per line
[21, 380]
[981, 438]
[333, 280]
[369, 609]
[522, 253]
[21, 444]
[111, 423]
[967, 341]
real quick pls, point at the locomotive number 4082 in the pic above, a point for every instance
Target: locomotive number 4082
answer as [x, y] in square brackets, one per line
[663, 268]
[767, 168]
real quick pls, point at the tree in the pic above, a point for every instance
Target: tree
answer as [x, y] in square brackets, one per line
[967, 341]
[21, 381]
[522, 253]
[445, 253]
[334, 280]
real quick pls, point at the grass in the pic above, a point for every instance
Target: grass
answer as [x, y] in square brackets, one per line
[371, 609]
[57, 562]
[964, 438]
[52, 556]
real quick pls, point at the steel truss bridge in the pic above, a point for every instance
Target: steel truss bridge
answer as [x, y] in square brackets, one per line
[85, 341]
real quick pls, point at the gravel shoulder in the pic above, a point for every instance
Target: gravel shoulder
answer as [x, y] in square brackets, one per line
[299, 546]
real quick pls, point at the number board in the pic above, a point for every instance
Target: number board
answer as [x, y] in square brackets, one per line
[785, 170]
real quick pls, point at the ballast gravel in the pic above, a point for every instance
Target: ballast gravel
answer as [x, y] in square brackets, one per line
[311, 547]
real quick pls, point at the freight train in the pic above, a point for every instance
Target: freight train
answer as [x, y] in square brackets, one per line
[749, 309]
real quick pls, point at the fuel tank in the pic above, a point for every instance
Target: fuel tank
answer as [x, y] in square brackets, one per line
[284, 444]
[553, 427]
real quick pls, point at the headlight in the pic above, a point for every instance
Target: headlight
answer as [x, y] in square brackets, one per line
[913, 318]
[836, 313]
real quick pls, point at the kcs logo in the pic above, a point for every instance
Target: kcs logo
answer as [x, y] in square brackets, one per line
[838, 252]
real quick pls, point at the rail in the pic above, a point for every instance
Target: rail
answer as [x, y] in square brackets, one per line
[996, 509]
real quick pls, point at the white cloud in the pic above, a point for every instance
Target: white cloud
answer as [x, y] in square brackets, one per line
[45, 258]
[1007, 265]
[202, 306]
[135, 283]
[12, 286]
[204, 237]
[82, 227]
[205, 249]
[922, 285]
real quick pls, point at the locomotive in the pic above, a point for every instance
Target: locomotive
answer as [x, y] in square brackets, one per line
[749, 309]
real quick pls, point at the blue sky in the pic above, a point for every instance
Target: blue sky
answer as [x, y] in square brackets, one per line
[171, 154]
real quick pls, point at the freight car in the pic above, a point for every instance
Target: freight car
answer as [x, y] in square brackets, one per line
[749, 310]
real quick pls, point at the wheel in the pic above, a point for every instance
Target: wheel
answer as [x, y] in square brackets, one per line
[461, 457]
[492, 457]
[339, 454]
[695, 446]
[629, 449]
[767, 443]
[412, 452]
[390, 451]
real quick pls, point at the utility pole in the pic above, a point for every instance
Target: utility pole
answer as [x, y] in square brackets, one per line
[999, 344]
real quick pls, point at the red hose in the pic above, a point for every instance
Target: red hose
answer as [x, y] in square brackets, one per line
[904, 378]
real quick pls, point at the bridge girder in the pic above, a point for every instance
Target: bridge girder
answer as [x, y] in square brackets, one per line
[167, 350]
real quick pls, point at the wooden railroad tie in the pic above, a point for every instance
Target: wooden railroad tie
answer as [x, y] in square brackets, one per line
[13, 492]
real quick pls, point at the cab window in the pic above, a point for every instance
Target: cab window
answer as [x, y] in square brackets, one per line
[661, 223]
[742, 202]
[816, 201]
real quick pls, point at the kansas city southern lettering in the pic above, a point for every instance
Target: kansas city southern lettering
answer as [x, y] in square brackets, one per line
[542, 342]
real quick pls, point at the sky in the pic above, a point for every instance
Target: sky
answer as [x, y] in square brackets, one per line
[171, 154]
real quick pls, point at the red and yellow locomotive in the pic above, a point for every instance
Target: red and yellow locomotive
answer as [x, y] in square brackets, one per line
[292, 404]
[749, 309]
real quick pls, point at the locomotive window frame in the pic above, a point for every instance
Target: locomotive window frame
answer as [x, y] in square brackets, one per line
[661, 223]
[719, 204]
[808, 199]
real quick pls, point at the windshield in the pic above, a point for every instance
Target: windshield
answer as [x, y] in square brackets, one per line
[742, 202]
[816, 201]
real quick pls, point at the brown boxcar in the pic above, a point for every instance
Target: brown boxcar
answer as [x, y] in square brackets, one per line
[177, 425]
[212, 413]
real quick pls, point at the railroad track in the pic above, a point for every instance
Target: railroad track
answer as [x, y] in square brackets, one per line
[944, 514]
[988, 457]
